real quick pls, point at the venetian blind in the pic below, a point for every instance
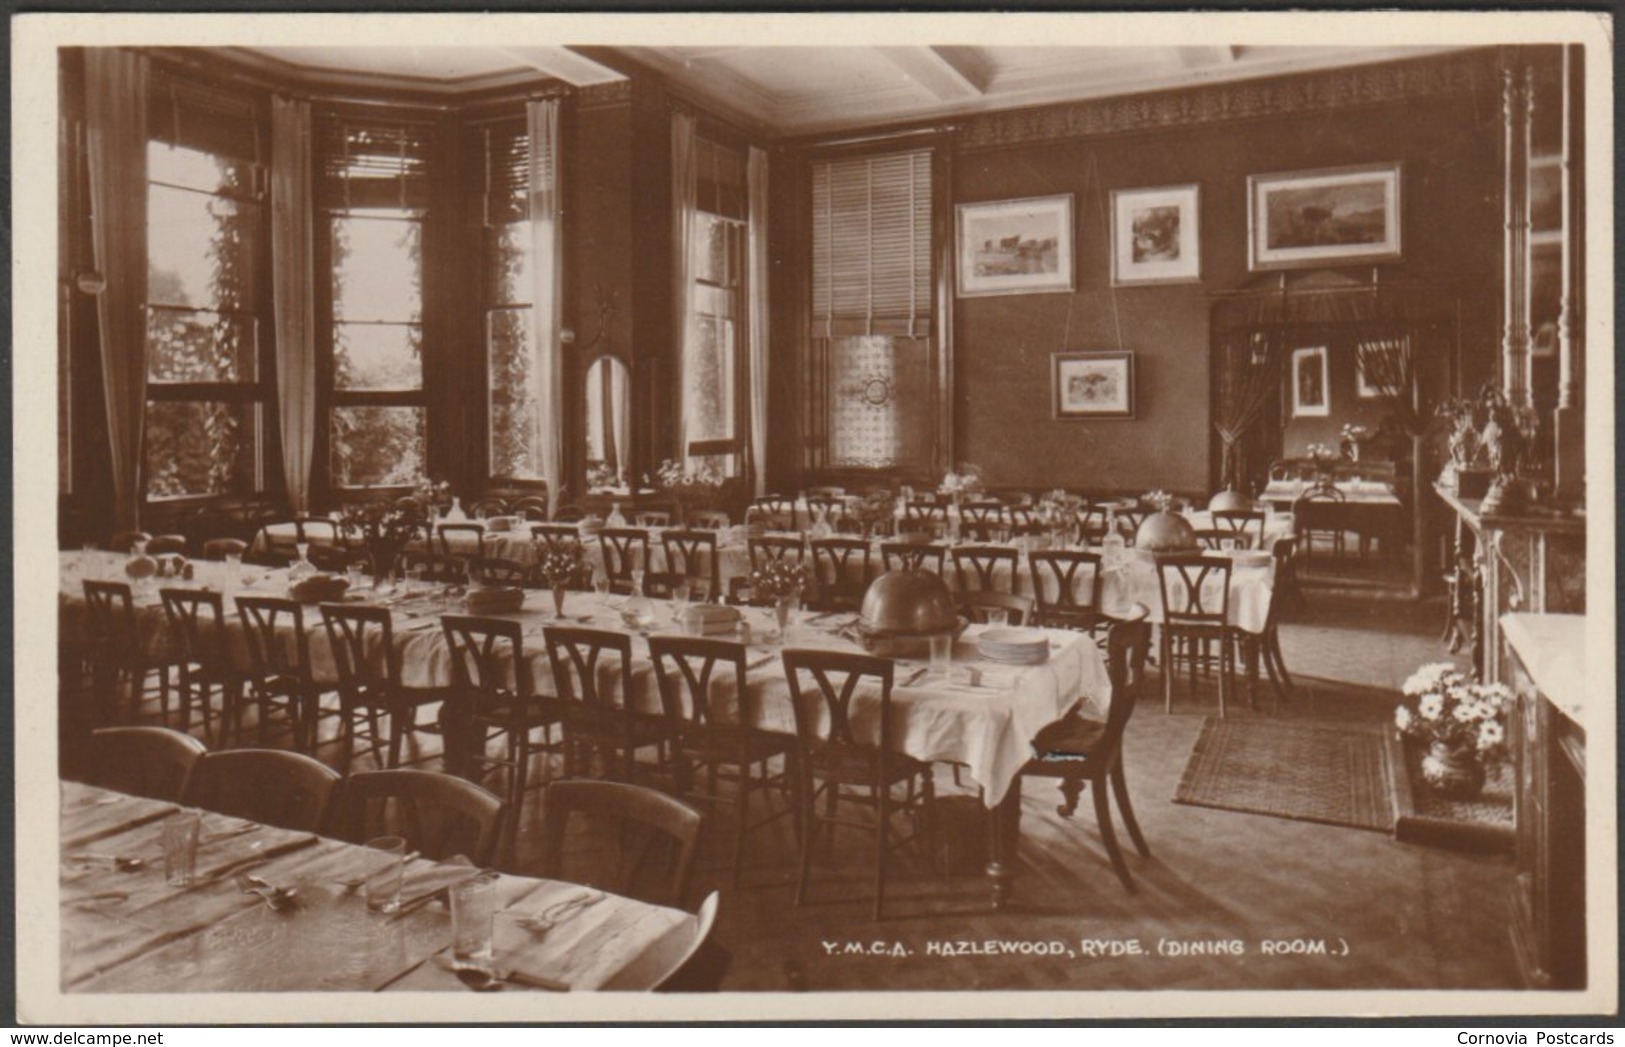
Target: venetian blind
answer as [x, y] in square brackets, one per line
[719, 175]
[369, 164]
[505, 151]
[191, 116]
[871, 239]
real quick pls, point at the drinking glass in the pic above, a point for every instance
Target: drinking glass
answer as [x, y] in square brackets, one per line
[473, 906]
[386, 863]
[679, 599]
[234, 568]
[180, 847]
[997, 617]
[942, 654]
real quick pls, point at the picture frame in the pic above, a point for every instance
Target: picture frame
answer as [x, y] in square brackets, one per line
[1092, 385]
[1015, 246]
[1365, 388]
[1156, 235]
[1311, 392]
[1334, 216]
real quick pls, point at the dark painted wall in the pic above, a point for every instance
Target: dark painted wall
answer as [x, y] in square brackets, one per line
[1450, 197]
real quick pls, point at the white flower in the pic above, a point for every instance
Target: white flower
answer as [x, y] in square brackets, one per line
[1464, 713]
[1430, 706]
[1429, 677]
[1402, 717]
[1484, 710]
[1490, 734]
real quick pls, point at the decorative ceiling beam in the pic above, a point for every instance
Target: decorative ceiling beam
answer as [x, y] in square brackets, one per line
[1201, 57]
[561, 63]
[935, 71]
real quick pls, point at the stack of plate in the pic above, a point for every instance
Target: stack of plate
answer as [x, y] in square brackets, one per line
[1014, 646]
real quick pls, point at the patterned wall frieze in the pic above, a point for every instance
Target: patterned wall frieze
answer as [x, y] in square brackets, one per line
[612, 92]
[1244, 100]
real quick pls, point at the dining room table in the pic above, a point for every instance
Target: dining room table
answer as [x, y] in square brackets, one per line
[980, 715]
[302, 923]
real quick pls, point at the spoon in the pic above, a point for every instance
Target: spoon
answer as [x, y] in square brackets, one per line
[493, 979]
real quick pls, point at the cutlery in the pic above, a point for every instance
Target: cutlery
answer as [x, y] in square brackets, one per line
[491, 979]
[120, 862]
[226, 834]
[104, 896]
[558, 912]
[277, 898]
[758, 663]
[914, 676]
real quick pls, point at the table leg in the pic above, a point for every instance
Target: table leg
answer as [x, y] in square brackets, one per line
[1005, 826]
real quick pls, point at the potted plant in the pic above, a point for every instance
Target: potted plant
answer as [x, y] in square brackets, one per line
[689, 489]
[1351, 437]
[1463, 724]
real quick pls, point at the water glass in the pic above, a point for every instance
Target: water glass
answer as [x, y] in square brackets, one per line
[600, 583]
[181, 833]
[679, 598]
[234, 568]
[386, 866]
[942, 654]
[997, 617]
[473, 907]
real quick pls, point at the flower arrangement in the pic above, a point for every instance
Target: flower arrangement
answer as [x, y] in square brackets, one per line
[965, 480]
[873, 508]
[777, 579]
[1355, 433]
[560, 564]
[1444, 706]
[696, 488]
[1058, 509]
[1159, 500]
[1322, 453]
[382, 524]
[601, 475]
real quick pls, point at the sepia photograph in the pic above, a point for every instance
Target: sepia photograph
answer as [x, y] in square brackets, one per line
[553, 517]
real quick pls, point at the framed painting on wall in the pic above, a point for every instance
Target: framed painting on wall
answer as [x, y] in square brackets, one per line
[1311, 396]
[1331, 217]
[1155, 236]
[1015, 246]
[1093, 385]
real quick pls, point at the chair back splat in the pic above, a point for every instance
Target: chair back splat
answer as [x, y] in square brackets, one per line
[631, 808]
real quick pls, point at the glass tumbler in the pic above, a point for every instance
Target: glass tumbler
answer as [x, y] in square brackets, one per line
[386, 861]
[181, 833]
[473, 908]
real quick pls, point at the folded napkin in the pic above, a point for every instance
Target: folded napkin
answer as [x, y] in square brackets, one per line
[422, 884]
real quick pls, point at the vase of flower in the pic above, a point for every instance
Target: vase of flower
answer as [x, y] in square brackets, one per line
[1453, 771]
[381, 557]
[558, 600]
[781, 613]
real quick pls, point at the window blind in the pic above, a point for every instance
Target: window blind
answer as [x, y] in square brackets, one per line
[505, 149]
[871, 241]
[719, 179]
[372, 165]
[194, 116]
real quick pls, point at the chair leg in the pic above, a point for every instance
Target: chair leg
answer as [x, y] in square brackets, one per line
[1108, 836]
[1071, 789]
[1167, 672]
[809, 822]
[883, 814]
[1224, 677]
[1126, 809]
[741, 818]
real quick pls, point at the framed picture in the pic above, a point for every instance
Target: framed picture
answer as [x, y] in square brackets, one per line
[1093, 385]
[1331, 217]
[1155, 236]
[1015, 246]
[1368, 386]
[1311, 397]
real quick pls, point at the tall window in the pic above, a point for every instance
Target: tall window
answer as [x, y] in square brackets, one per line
[372, 201]
[873, 391]
[713, 384]
[206, 240]
[510, 291]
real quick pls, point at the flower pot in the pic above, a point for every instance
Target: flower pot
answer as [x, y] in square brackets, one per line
[1453, 772]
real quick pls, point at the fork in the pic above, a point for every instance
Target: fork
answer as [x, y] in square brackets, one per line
[556, 913]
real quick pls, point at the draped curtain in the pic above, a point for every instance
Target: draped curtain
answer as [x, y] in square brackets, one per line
[546, 245]
[684, 204]
[756, 311]
[293, 281]
[116, 126]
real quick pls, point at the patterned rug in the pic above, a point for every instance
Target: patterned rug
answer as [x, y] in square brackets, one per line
[1337, 774]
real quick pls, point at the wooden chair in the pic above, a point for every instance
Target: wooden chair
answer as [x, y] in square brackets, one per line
[639, 818]
[775, 547]
[1196, 614]
[714, 727]
[933, 516]
[461, 539]
[836, 760]
[555, 535]
[220, 548]
[489, 506]
[435, 568]
[825, 491]
[531, 507]
[114, 650]
[1283, 550]
[980, 521]
[438, 815]
[831, 506]
[1249, 523]
[596, 717]
[125, 541]
[143, 761]
[625, 549]
[279, 676]
[702, 964]
[977, 567]
[1215, 538]
[197, 625]
[269, 786]
[497, 570]
[569, 514]
[1318, 513]
[1066, 585]
[1081, 751]
[317, 530]
[167, 545]
[1091, 526]
[492, 698]
[362, 640]
[975, 605]
[709, 520]
[653, 518]
[693, 554]
[776, 512]
[912, 556]
[842, 570]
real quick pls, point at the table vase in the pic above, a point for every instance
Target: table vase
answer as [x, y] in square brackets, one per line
[1453, 771]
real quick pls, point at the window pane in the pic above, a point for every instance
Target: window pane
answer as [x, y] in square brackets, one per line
[377, 268]
[185, 345]
[178, 165]
[200, 249]
[509, 259]
[512, 411]
[377, 445]
[713, 238]
[200, 448]
[710, 381]
[880, 402]
[377, 356]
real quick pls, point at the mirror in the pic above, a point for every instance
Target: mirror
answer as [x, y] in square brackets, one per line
[609, 415]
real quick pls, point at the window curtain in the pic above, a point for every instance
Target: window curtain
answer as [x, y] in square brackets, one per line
[684, 203]
[116, 126]
[756, 311]
[547, 250]
[293, 281]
